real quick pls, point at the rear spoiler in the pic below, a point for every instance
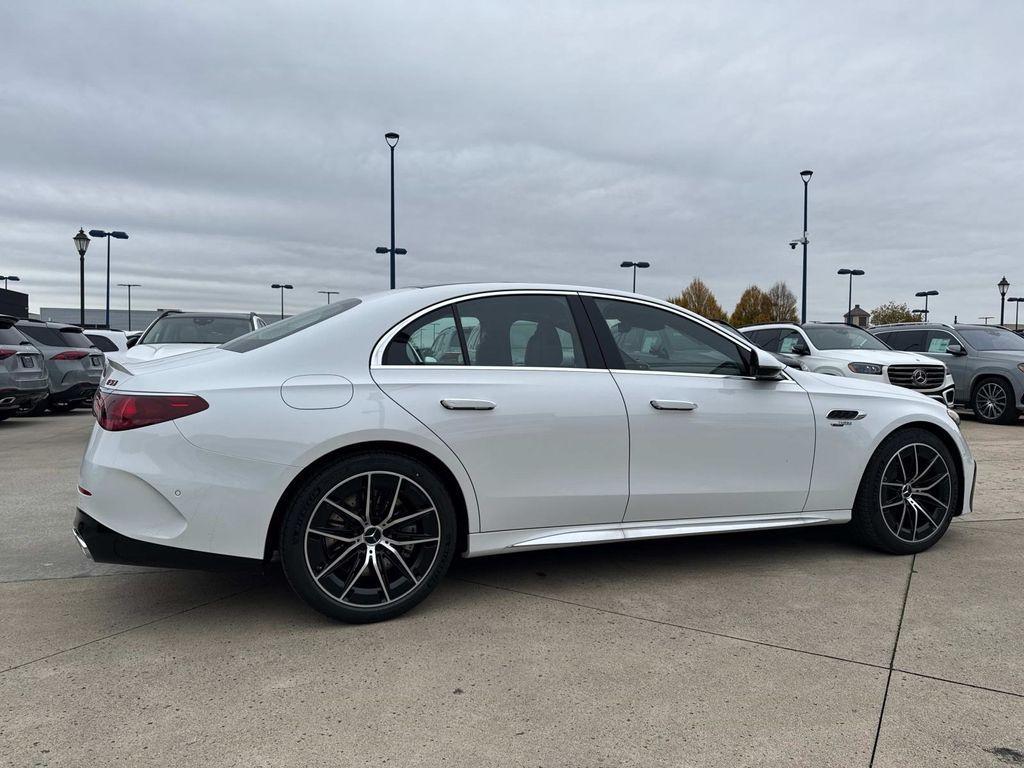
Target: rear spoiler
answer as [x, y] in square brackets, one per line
[116, 366]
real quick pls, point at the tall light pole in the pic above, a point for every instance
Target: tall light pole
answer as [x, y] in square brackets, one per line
[329, 294]
[986, 318]
[926, 294]
[109, 235]
[129, 286]
[81, 241]
[806, 177]
[284, 287]
[5, 278]
[1003, 286]
[393, 252]
[849, 297]
[635, 265]
[1016, 318]
[392, 139]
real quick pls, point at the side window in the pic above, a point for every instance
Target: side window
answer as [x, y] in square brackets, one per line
[885, 338]
[939, 341]
[429, 340]
[655, 339]
[768, 339]
[789, 341]
[532, 331]
[907, 341]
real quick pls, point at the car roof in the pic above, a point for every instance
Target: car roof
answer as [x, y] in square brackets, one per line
[178, 313]
[63, 327]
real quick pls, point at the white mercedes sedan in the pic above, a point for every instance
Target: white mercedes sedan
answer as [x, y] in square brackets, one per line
[367, 442]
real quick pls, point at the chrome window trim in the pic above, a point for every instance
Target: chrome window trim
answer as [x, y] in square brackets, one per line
[377, 355]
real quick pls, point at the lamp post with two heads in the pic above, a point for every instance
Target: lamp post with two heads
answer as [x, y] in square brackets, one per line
[109, 235]
[849, 298]
[926, 294]
[1016, 315]
[13, 278]
[329, 294]
[283, 287]
[129, 286]
[635, 265]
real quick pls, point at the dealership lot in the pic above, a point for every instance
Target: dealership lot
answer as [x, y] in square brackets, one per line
[761, 649]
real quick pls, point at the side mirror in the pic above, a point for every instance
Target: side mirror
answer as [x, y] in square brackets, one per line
[133, 341]
[766, 366]
[956, 349]
[800, 349]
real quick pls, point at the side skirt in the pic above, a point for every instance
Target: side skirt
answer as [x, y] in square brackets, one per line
[494, 542]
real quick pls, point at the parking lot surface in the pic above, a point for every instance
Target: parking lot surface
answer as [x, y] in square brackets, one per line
[785, 648]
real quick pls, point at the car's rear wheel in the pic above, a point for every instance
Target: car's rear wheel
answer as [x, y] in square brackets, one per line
[369, 537]
[908, 493]
[993, 403]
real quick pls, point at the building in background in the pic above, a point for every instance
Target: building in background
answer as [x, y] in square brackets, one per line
[857, 316]
[14, 303]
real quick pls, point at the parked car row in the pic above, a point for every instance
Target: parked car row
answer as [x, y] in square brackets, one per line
[975, 366]
[57, 367]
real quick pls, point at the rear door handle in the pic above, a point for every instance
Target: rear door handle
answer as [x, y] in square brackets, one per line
[457, 404]
[673, 405]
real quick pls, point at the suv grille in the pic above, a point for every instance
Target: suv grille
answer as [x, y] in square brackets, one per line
[930, 376]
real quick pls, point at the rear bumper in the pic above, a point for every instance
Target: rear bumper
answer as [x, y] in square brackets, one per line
[105, 545]
[74, 394]
[17, 399]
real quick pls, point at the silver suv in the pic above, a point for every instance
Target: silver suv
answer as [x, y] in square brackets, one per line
[73, 365]
[22, 373]
[987, 363]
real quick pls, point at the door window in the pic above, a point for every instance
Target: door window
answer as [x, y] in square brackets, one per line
[789, 342]
[907, 341]
[102, 343]
[521, 330]
[939, 341]
[648, 338]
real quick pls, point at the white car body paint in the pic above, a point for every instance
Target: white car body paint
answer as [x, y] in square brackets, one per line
[566, 456]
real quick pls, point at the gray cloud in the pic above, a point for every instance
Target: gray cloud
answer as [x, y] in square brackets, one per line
[241, 144]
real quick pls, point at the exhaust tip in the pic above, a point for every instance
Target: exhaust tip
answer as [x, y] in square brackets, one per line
[82, 544]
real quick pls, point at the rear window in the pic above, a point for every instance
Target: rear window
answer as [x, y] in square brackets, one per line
[282, 328]
[196, 329]
[46, 336]
[9, 335]
[75, 339]
[102, 343]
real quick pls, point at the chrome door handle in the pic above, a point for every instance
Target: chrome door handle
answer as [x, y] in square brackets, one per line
[456, 404]
[673, 405]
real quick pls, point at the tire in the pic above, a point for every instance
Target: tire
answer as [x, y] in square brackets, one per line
[884, 514]
[5, 416]
[363, 573]
[992, 401]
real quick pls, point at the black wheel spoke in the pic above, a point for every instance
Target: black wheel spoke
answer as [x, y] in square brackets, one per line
[911, 504]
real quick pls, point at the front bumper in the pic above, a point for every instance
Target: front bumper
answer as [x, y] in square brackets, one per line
[105, 545]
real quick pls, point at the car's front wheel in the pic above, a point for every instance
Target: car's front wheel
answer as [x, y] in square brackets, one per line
[368, 537]
[993, 403]
[908, 493]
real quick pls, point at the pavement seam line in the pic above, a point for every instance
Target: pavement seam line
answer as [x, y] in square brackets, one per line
[128, 629]
[892, 660]
[684, 627]
[957, 682]
[87, 576]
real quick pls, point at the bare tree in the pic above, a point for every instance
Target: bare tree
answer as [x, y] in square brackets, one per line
[783, 303]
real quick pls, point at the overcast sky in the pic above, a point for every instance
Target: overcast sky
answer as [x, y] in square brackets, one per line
[241, 144]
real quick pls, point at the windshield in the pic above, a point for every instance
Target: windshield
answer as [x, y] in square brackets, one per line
[293, 324]
[196, 329]
[842, 337]
[989, 339]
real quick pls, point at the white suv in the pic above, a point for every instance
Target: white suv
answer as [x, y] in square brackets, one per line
[845, 350]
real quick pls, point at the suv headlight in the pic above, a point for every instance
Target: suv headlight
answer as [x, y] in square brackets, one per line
[873, 368]
[954, 416]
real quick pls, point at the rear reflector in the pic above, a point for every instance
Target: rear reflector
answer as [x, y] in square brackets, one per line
[5, 353]
[117, 412]
[71, 354]
[84, 492]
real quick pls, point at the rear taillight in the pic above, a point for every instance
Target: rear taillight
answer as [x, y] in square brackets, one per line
[117, 412]
[5, 353]
[71, 354]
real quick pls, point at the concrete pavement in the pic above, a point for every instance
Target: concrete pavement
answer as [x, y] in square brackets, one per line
[786, 648]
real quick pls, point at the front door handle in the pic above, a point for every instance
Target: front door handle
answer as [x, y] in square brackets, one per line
[457, 404]
[673, 405]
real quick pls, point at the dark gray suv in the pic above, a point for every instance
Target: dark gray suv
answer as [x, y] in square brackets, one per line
[987, 363]
[74, 366]
[23, 382]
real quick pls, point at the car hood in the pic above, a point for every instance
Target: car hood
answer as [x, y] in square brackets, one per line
[880, 356]
[142, 352]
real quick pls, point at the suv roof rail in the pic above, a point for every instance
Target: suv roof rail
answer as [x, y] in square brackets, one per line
[916, 322]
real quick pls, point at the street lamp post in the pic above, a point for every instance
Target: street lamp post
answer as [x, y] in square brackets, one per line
[394, 252]
[806, 177]
[284, 287]
[129, 286]
[1003, 286]
[329, 294]
[392, 139]
[986, 318]
[635, 265]
[926, 294]
[1016, 315]
[109, 235]
[5, 278]
[81, 241]
[849, 297]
